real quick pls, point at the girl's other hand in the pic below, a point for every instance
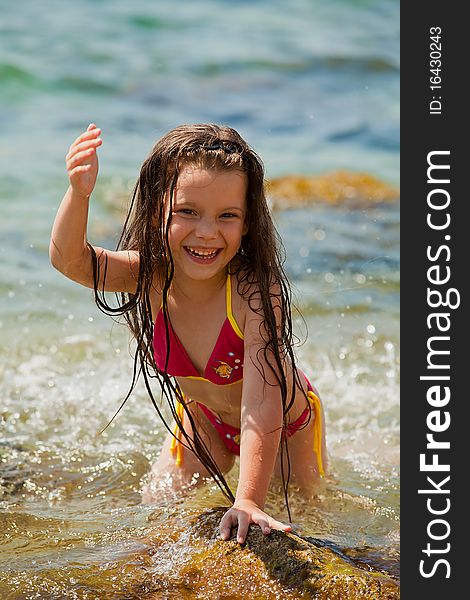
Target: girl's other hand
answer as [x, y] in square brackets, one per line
[82, 161]
[242, 514]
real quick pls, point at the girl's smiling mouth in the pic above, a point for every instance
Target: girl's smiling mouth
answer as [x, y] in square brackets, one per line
[202, 254]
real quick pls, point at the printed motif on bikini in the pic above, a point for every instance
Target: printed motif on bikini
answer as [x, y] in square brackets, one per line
[224, 370]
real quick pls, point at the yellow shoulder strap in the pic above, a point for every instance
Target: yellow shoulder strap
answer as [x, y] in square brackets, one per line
[228, 303]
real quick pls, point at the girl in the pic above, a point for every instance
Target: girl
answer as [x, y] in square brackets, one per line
[198, 272]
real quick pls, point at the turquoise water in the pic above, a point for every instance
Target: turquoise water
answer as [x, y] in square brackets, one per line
[314, 87]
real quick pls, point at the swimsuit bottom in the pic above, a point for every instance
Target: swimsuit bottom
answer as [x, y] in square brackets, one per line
[231, 435]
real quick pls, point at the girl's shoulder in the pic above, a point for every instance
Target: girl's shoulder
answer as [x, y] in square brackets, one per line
[251, 292]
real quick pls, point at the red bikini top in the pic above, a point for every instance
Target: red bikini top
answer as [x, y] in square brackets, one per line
[225, 365]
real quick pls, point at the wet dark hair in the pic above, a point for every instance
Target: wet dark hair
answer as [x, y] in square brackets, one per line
[258, 268]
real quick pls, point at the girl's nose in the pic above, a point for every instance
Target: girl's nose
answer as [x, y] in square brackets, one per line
[206, 229]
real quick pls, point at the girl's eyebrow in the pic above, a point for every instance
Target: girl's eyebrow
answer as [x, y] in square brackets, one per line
[233, 208]
[184, 202]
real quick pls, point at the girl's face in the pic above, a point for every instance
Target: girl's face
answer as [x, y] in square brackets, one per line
[208, 220]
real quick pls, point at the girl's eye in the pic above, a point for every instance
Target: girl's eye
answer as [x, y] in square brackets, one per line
[229, 215]
[186, 211]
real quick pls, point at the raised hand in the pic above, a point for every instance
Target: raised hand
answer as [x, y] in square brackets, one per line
[242, 514]
[82, 161]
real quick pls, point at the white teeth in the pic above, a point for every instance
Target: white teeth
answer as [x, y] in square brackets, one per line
[206, 254]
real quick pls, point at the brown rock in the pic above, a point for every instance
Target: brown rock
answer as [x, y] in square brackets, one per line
[359, 189]
[281, 565]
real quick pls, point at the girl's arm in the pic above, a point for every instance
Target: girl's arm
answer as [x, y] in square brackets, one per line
[261, 426]
[68, 248]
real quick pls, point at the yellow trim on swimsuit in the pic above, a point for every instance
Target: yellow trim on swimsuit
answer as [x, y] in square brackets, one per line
[208, 380]
[317, 430]
[176, 445]
[228, 303]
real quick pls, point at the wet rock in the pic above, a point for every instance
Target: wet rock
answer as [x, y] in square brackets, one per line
[14, 468]
[355, 189]
[281, 565]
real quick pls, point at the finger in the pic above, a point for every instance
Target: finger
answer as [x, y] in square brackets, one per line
[87, 135]
[225, 532]
[79, 158]
[226, 523]
[94, 143]
[243, 524]
[94, 131]
[278, 526]
[263, 524]
[80, 169]
[91, 126]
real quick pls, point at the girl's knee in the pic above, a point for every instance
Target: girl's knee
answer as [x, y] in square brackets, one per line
[178, 467]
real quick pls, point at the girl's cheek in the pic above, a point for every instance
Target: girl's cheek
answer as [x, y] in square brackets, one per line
[175, 228]
[176, 233]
